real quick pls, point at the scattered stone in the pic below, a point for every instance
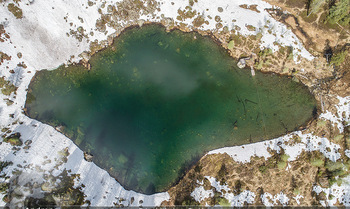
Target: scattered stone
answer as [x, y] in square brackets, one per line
[241, 64]
[59, 128]
[88, 157]
[28, 142]
[46, 187]
[140, 22]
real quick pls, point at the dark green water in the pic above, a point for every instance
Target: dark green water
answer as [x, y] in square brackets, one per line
[152, 106]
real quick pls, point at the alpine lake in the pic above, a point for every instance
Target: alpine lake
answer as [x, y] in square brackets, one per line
[154, 102]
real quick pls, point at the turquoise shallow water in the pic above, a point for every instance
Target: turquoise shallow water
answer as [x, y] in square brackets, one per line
[154, 102]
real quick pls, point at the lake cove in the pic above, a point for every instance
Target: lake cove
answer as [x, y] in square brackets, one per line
[154, 102]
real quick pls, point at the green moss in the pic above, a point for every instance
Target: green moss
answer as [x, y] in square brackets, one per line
[264, 53]
[338, 58]
[259, 65]
[331, 181]
[296, 191]
[16, 11]
[339, 181]
[317, 162]
[237, 40]
[262, 169]
[224, 202]
[230, 45]
[321, 123]
[338, 138]
[14, 139]
[281, 165]
[9, 89]
[333, 166]
[285, 157]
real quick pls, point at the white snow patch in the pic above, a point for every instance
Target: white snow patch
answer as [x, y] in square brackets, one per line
[297, 198]
[270, 200]
[335, 194]
[343, 113]
[200, 194]
[234, 16]
[309, 142]
[245, 196]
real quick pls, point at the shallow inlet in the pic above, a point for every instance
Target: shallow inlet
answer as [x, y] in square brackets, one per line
[154, 102]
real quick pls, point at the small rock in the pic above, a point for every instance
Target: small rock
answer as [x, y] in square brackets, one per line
[59, 128]
[28, 142]
[46, 187]
[323, 181]
[88, 157]
[140, 22]
[85, 55]
[241, 64]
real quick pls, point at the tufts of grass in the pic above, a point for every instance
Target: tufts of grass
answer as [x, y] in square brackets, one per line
[317, 162]
[281, 165]
[321, 123]
[263, 169]
[296, 191]
[230, 45]
[333, 166]
[224, 202]
[338, 58]
[285, 157]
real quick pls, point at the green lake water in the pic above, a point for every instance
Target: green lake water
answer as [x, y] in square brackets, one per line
[154, 102]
